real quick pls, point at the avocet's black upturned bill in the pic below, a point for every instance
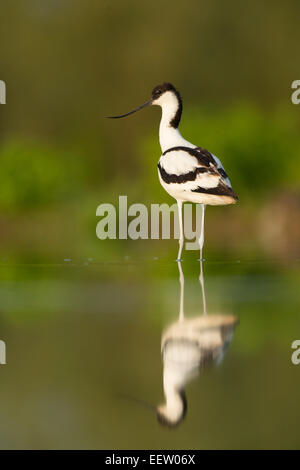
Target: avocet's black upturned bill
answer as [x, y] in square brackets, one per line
[186, 172]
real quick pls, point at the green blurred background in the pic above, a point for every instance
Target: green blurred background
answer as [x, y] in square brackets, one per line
[81, 332]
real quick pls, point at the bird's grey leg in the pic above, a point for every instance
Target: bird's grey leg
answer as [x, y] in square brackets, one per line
[181, 237]
[201, 279]
[181, 280]
[201, 239]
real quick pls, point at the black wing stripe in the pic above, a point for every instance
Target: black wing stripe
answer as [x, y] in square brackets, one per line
[209, 165]
[222, 172]
[183, 178]
[220, 190]
[203, 156]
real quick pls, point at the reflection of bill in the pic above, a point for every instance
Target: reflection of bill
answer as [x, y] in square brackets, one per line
[296, 354]
[188, 347]
[2, 352]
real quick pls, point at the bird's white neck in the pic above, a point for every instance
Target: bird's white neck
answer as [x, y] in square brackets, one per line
[170, 136]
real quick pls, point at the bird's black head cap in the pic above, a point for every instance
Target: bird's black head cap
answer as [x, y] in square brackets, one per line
[159, 90]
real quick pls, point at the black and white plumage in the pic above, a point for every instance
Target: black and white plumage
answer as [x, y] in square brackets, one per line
[187, 172]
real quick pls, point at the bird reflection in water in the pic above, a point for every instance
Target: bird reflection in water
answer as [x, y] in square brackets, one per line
[188, 347]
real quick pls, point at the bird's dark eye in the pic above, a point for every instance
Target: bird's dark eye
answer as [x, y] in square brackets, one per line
[157, 93]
